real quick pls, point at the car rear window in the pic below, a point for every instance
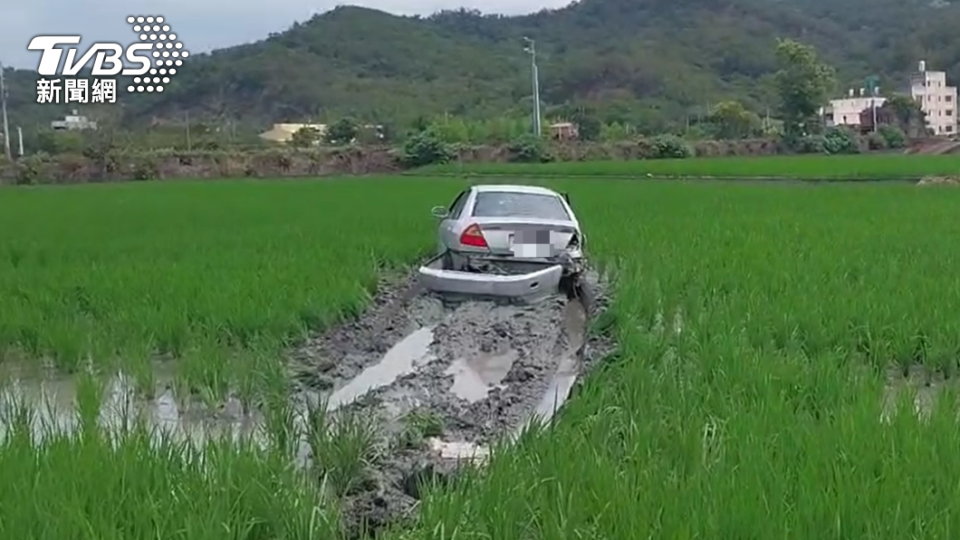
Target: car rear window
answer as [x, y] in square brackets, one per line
[509, 204]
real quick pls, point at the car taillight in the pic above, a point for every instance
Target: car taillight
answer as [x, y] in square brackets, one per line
[472, 236]
[574, 242]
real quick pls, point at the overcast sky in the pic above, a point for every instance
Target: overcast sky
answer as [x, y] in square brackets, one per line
[201, 25]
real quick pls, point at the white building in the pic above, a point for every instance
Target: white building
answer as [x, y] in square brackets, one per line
[73, 121]
[283, 133]
[846, 111]
[937, 100]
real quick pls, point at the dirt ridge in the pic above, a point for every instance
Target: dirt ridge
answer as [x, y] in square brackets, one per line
[281, 162]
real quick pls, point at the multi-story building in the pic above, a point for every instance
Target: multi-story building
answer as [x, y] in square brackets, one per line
[847, 111]
[937, 100]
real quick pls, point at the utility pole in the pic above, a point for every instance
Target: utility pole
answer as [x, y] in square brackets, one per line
[872, 83]
[186, 116]
[3, 106]
[531, 49]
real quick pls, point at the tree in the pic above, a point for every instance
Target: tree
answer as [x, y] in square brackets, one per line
[305, 137]
[910, 117]
[451, 130]
[420, 124]
[731, 120]
[589, 127]
[373, 134]
[425, 148]
[343, 131]
[58, 142]
[803, 85]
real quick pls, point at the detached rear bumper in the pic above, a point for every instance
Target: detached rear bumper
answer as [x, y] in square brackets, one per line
[522, 286]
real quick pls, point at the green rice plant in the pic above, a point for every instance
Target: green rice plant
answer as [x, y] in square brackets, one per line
[17, 417]
[137, 487]
[197, 270]
[806, 167]
[280, 416]
[757, 392]
[418, 425]
[764, 416]
[205, 369]
[248, 364]
[343, 445]
[89, 399]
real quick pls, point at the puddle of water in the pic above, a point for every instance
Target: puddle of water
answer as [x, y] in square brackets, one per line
[474, 378]
[52, 402]
[52, 405]
[52, 399]
[402, 359]
[925, 387]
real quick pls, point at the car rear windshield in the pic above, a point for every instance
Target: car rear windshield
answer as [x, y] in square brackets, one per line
[510, 204]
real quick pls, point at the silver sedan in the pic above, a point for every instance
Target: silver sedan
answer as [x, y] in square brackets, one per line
[506, 241]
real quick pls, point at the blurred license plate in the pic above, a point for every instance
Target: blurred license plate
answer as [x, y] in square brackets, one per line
[530, 244]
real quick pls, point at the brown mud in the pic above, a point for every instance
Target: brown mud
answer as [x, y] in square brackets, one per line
[477, 372]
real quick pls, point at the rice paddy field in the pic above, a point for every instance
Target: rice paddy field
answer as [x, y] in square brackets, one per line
[863, 167]
[774, 340]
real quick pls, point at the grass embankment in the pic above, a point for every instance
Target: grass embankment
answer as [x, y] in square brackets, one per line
[836, 168]
[760, 419]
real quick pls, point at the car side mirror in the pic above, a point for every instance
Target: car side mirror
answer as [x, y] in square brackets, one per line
[566, 197]
[440, 212]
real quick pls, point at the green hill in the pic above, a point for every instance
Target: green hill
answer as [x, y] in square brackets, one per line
[654, 63]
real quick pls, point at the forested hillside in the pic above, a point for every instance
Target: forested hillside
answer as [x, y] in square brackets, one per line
[653, 63]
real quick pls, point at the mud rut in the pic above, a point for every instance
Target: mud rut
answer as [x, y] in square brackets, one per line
[474, 371]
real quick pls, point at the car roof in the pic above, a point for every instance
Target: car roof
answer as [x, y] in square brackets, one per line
[514, 188]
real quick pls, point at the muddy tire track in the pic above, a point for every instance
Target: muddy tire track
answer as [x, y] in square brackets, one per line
[469, 372]
[399, 308]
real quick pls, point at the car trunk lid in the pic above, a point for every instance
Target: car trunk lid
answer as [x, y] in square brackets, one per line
[526, 237]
